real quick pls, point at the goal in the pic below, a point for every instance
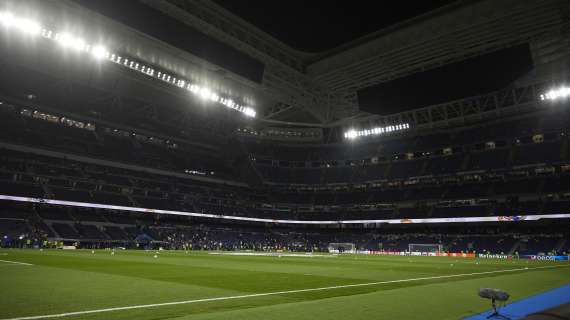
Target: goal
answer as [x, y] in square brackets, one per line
[422, 247]
[342, 247]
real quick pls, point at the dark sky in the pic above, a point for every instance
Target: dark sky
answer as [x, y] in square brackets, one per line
[318, 25]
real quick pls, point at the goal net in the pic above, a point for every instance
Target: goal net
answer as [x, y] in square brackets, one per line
[422, 247]
[344, 247]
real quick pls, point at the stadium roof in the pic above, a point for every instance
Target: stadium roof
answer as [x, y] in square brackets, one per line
[321, 25]
[250, 62]
[323, 88]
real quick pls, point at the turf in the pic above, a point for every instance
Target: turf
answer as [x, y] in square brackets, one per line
[69, 281]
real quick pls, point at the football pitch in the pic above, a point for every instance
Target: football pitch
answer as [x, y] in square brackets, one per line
[81, 284]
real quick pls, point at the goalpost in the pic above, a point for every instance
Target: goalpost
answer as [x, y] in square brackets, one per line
[422, 247]
[342, 247]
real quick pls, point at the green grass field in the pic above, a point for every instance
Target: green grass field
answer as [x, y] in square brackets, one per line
[59, 282]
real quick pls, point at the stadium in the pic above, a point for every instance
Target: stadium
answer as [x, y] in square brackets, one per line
[233, 159]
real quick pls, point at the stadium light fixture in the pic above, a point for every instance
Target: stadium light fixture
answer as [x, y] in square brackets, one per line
[353, 134]
[555, 94]
[99, 52]
[7, 19]
[214, 97]
[249, 112]
[205, 93]
[230, 103]
[69, 41]
[27, 26]
[194, 88]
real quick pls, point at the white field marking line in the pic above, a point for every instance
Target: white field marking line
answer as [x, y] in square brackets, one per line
[255, 295]
[16, 262]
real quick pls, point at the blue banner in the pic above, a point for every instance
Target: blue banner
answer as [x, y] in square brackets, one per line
[546, 258]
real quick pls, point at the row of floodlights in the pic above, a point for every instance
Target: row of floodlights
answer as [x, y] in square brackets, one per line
[99, 52]
[562, 92]
[353, 134]
[554, 94]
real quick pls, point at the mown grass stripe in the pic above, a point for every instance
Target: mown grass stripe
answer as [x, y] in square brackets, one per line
[255, 295]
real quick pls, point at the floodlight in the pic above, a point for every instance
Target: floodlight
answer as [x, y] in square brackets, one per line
[351, 134]
[561, 92]
[205, 93]
[7, 19]
[28, 26]
[194, 88]
[25, 25]
[554, 94]
[214, 97]
[99, 52]
[69, 41]
[249, 112]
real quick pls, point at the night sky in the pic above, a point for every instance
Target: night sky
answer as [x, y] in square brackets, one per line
[318, 25]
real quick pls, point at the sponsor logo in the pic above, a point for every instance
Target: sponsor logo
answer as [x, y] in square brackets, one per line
[511, 218]
[494, 256]
[542, 258]
[546, 258]
[423, 254]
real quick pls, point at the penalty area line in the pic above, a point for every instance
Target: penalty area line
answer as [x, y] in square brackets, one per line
[16, 263]
[255, 295]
